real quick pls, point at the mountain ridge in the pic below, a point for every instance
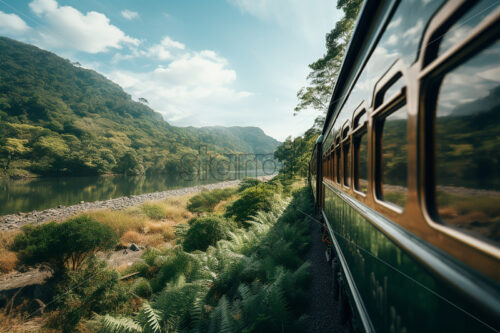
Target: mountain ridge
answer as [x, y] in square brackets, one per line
[57, 118]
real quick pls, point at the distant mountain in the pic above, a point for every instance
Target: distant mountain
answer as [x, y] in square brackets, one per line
[479, 105]
[236, 138]
[57, 118]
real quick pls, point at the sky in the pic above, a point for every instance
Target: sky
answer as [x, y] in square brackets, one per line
[197, 62]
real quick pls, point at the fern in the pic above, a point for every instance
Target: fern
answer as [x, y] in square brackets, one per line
[153, 317]
[119, 325]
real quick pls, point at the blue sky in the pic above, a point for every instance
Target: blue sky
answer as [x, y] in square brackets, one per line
[197, 62]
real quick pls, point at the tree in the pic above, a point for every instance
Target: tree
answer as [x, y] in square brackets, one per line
[130, 164]
[295, 154]
[324, 71]
[61, 245]
[13, 148]
[143, 100]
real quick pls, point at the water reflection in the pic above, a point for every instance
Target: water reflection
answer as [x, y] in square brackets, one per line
[42, 193]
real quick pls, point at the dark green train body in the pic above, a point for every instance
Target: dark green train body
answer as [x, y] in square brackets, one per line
[406, 173]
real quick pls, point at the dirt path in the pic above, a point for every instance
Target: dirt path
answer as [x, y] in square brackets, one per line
[323, 310]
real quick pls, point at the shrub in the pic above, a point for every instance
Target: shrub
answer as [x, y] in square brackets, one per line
[252, 200]
[207, 200]
[205, 231]
[59, 244]
[247, 183]
[142, 288]
[153, 211]
[139, 266]
[92, 289]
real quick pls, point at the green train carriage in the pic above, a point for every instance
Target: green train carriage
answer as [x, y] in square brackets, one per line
[406, 173]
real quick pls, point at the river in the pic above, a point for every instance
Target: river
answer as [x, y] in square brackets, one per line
[42, 193]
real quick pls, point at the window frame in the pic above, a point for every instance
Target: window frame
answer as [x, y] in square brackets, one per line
[433, 69]
[357, 133]
[346, 140]
[338, 157]
[381, 111]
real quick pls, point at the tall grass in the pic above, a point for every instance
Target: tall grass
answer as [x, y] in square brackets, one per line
[119, 220]
[8, 259]
[206, 201]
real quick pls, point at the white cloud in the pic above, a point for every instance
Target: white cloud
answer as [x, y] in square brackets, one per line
[193, 88]
[129, 15]
[13, 24]
[67, 27]
[163, 50]
[167, 49]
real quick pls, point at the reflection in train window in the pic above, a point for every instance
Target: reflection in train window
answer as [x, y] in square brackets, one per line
[361, 161]
[361, 119]
[467, 146]
[460, 29]
[337, 161]
[346, 158]
[393, 89]
[393, 157]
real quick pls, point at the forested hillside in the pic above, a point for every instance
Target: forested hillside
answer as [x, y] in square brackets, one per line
[236, 138]
[57, 118]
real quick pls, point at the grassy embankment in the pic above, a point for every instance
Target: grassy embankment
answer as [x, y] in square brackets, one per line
[242, 273]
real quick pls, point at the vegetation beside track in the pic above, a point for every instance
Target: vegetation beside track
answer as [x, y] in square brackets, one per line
[215, 274]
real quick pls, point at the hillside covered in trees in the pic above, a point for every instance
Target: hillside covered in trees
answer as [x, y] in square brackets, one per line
[57, 118]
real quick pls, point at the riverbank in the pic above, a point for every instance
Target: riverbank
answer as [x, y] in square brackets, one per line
[16, 221]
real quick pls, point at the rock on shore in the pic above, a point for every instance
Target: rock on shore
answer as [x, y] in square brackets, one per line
[15, 221]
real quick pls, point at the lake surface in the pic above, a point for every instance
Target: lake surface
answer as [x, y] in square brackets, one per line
[42, 193]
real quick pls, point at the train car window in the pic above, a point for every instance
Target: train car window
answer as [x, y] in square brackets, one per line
[331, 165]
[392, 157]
[393, 89]
[461, 28]
[346, 164]
[360, 151]
[361, 161]
[360, 120]
[467, 146]
[337, 160]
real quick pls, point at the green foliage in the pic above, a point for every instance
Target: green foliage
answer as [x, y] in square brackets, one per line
[205, 231]
[151, 317]
[109, 324]
[207, 200]
[92, 289]
[252, 200]
[255, 281]
[153, 211]
[178, 263]
[60, 119]
[295, 154]
[324, 71]
[248, 182]
[141, 288]
[61, 244]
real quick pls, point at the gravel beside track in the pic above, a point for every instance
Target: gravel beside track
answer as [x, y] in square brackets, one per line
[323, 310]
